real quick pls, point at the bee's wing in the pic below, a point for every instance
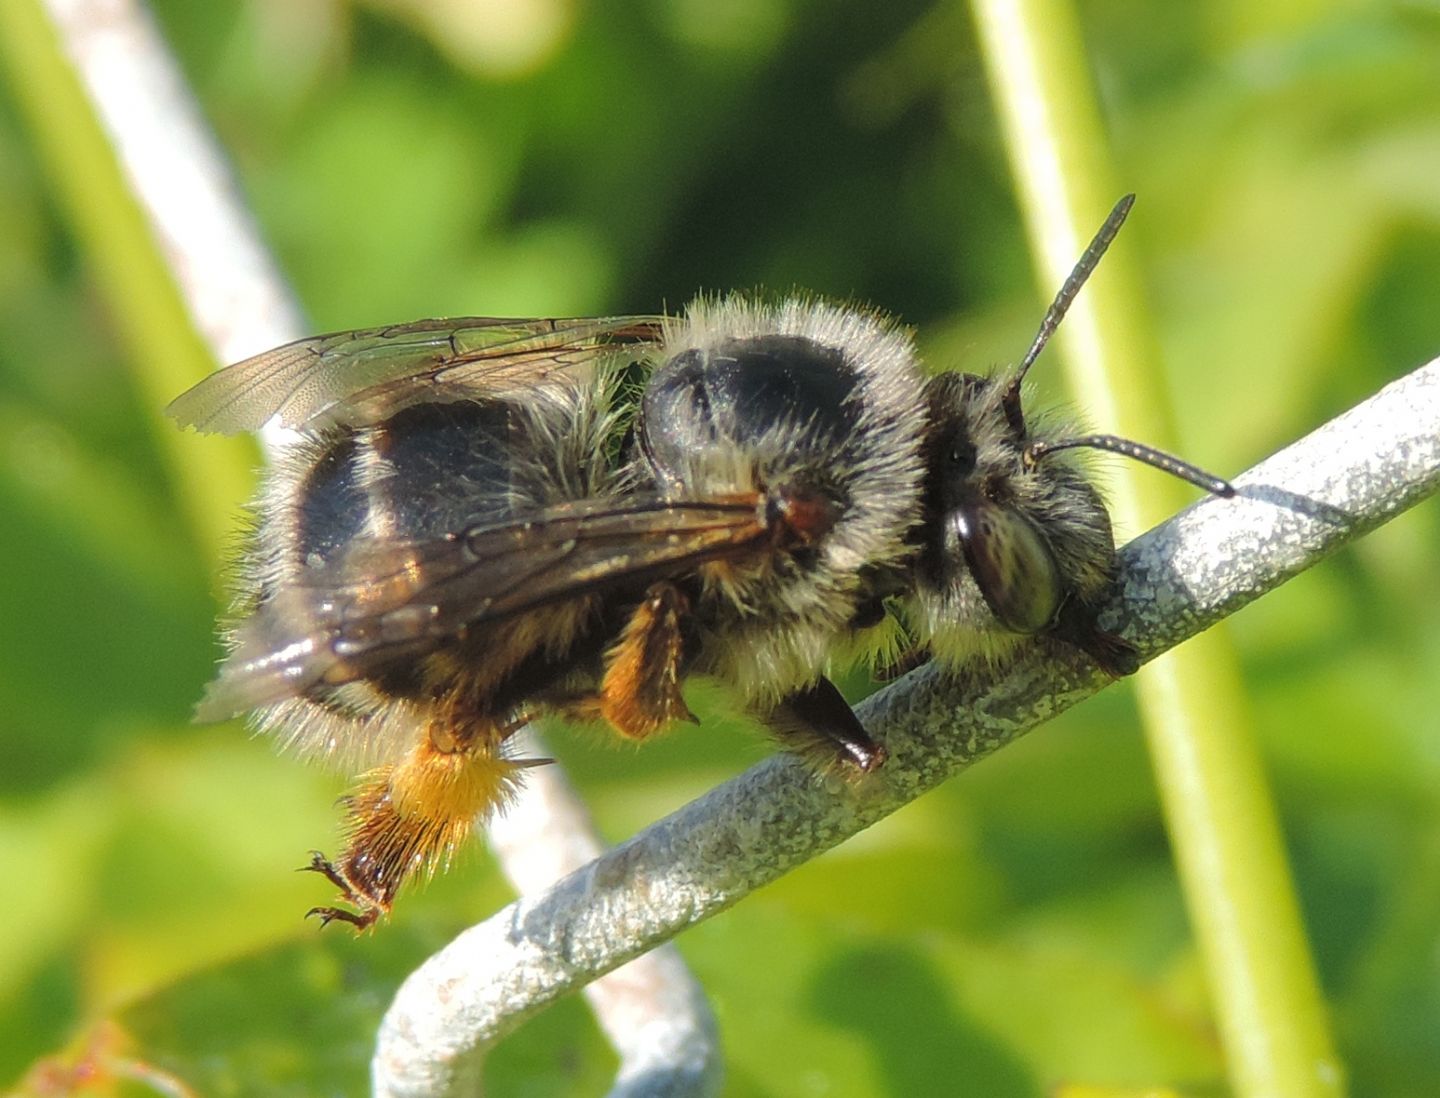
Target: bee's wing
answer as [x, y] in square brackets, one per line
[385, 600]
[352, 377]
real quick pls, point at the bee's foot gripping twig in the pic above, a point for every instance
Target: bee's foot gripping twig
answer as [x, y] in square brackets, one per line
[867, 757]
[818, 724]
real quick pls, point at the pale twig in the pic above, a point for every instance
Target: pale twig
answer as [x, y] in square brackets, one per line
[237, 296]
[653, 1009]
[654, 1012]
[1291, 511]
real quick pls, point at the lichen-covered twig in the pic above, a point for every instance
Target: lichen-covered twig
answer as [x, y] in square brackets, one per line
[653, 1010]
[1292, 510]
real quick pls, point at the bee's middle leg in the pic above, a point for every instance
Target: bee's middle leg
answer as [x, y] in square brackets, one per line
[640, 691]
[818, 724]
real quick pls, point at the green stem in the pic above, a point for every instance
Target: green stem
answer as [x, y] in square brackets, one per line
[1218, 808]
[165, 352]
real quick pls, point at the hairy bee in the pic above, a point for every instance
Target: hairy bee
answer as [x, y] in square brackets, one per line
[481, 524]
[819, 403]
[464, 539]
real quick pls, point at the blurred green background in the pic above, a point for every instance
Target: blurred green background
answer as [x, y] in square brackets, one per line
[1019, 929]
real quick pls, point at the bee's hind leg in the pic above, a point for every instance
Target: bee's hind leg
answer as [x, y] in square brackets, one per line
[818, 724]
[407, 818]
[367, 909]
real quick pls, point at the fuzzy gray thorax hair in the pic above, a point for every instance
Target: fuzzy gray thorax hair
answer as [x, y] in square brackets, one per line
[798, 395]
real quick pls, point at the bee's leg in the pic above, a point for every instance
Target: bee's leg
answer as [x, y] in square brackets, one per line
[818, 724]
[1076, 625]
[411, 816]
[640, 693]
[369, 909]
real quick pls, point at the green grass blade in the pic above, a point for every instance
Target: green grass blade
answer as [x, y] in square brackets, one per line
[1218, 807]
[165, 352]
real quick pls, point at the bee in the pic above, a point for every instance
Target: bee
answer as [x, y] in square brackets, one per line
[484, 521]
[476, 528]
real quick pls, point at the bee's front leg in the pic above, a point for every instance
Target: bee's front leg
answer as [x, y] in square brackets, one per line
[818, 724]
[1076, 624]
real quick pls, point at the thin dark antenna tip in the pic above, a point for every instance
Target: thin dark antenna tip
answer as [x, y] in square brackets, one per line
[1156, 459]
[1083, 269]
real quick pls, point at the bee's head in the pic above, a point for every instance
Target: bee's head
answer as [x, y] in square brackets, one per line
[1015, 541]
[1008, 542]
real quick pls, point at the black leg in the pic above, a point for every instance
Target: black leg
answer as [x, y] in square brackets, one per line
[360, 920]
[918, 655]
[1077, 625]
[818, 724]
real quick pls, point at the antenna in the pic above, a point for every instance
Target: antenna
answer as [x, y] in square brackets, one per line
[1084, 268]
[1157, 459]
[1010, 400]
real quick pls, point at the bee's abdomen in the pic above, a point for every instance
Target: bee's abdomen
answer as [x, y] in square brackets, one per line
[330, 506]
[433, 469]
[425, 472]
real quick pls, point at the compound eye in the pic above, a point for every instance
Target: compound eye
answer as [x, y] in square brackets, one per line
[1011, 563]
